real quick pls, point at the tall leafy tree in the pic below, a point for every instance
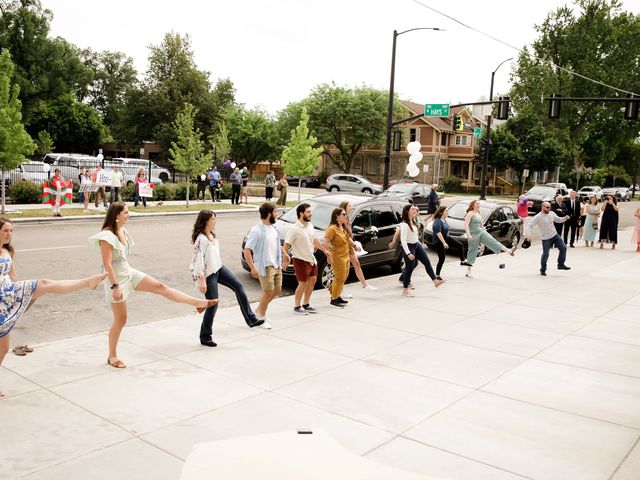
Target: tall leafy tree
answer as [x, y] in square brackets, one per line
[252, 134]
[188, 153]
[15, 142]
[220, 142]
[595, 38]
[300, 157]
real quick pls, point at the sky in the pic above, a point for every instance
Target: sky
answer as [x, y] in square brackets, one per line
[277, 51]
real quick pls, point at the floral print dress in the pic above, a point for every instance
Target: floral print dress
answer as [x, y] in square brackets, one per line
[15, 296]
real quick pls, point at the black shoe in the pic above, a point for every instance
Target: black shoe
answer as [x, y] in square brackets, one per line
[209, 343]
[571, 246]
[543, 273]
[336, 303]
[256, 324]
[341, 300]
[563, 267]
[438, 277]
[466, 264]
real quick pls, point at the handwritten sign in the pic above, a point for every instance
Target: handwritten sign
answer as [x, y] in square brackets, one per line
[145, 190]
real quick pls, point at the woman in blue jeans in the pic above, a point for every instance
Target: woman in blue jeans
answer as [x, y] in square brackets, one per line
[207, 271]
[412, 249]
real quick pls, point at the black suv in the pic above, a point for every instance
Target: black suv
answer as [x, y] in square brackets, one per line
[543, 193]
[373, 222]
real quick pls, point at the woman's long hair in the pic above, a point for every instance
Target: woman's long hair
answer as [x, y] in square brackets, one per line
[8, 246]
[201, 224]
[334, 217]
[472, 204]
[405, 215]
[112, 214]
[439, 212]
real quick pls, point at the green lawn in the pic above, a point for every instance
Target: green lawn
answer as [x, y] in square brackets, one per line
[46, 212]
[193, 207]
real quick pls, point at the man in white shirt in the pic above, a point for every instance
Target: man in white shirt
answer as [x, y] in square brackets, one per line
[116, 184]
[546, 221]
[302, 241]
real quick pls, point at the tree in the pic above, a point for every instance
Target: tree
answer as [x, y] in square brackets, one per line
[300, 157]
[15, 142]
[220, 142]
[188, 152]
[252, 134]
[596, 39]
[44, 143]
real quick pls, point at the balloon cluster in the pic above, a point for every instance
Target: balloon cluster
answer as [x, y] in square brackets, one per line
[229, 163]
[415, 156]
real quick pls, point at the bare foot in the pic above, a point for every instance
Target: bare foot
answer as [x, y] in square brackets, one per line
[96, 280]
[207, 304]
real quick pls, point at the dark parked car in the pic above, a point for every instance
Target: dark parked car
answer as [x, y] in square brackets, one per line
[499, 218]
[373, 221]
[542, 193]
[416, 193]
[309, 181]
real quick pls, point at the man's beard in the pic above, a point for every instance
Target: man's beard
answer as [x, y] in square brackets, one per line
[272, 219]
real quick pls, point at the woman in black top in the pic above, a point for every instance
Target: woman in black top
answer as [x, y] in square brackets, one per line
[442, 241]
[609, 223]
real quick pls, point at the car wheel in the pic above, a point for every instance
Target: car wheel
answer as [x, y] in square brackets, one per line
[367, 190]
[398, 265]
[303, 183]
[334, 188]
[515, 240]
[164, 177]
[325, 275]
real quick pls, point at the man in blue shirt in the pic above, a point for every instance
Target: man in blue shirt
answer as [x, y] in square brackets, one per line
[214, 184]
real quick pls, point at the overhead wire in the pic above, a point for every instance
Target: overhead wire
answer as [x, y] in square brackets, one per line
[518, 49]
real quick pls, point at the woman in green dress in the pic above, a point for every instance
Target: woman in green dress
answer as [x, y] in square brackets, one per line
[476, 234]
[115, 244]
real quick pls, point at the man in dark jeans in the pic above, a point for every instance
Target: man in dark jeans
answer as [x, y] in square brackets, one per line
[433, 202]
[236, 185]
[546, 221]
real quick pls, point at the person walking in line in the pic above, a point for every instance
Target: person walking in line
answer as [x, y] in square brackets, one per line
[17, 295]
[100, 192]
[282, 187]
[354, 247]
[635, 237]
[214, 184]
[266, 259]
[546, 221]
[236, 184]
[592, 211]
[609, 224]
[141, 177]
[207, 271]
[336, 239]
[117, 180]
[115, 244]
[302, 242]
[412, 249]
[85, 179]
[244, 191]
[573, 207]
[476, 234]
[583, 216]
[443, 241]
[269, 185]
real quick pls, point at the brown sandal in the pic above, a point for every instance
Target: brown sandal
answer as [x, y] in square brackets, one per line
[116, 363]
[26, 348]
[21, 352]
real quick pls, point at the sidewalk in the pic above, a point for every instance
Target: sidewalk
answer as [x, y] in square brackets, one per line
[507, 375]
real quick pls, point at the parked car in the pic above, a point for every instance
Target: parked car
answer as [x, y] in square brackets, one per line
[590, 191]
[347, 182]
[542, 193]
[130, 167]
[416, 193]
[499, 218]
[373, 221]
[558, 185]
[35, 172]
[308, 181]
[623, 194]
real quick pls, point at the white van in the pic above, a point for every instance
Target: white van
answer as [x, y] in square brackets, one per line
[130, 167]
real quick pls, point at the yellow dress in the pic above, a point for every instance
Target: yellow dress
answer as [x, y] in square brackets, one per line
[128, 278]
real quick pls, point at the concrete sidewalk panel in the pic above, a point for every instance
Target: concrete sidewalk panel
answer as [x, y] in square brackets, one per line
[630, 466]
[612, 330]
[533, 441]
[378, 396]
[14, 384]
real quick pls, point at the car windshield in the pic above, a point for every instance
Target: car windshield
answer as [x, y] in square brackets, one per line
[587, 189]
[320, 218]
[459, 211]
[401, 188]
[539, 190]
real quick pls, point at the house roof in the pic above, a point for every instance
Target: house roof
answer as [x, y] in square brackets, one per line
[442, 124]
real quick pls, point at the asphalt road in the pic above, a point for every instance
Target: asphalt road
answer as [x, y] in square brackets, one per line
[59, 250]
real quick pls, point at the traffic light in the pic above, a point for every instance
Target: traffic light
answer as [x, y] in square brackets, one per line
[484, 148]
[631, 107]
[503, 108]
[554, 106]
[456, 124]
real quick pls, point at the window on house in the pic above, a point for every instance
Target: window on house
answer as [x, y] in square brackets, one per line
[414, 135]
[443, 138]
[462, 140]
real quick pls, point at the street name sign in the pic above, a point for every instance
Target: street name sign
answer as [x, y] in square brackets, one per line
[436, 110]
[477, 132]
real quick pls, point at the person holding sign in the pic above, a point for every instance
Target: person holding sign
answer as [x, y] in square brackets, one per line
[115, 244]
[58, 187]
[86, 187]
[141, 178]
[96, 178]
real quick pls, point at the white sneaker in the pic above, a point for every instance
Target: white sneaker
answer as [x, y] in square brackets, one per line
[346, 295]
[371, 288]
[267, 324]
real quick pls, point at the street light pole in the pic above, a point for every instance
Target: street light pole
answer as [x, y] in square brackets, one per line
[485, 160]
[387, 148]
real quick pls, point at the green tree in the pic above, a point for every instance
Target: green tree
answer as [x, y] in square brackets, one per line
[15, 142]
[598, 39]
[252, 134]
[188, 153]
[220, 142]
[300, 157]
[44, 143]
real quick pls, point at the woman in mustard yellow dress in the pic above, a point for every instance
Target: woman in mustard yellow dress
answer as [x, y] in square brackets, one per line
[337, 236]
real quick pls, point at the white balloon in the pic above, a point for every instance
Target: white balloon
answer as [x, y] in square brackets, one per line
[100, 157]
[415, 157]
[413, 171]
[413, 147]
[233, 164]
[46, 168]
[203, 177]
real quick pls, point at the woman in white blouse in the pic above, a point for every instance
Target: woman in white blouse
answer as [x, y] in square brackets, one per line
[208, 271]
[412, 249]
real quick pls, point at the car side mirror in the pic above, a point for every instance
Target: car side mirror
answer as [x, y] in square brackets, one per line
[416, 194]
[495, 223]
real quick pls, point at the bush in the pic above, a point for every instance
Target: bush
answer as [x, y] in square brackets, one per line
[128, 193]
[451, 184]
[25, 192]
[163, 192]
[225, 191]
[181, 191]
